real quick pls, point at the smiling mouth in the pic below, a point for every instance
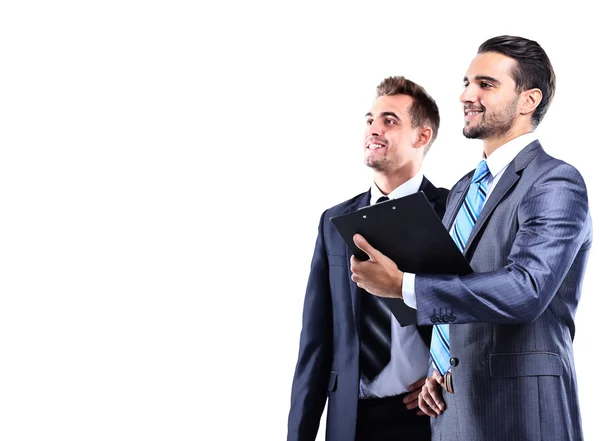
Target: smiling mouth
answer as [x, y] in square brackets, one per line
[472, 112]
[471, 115]
[374, 146]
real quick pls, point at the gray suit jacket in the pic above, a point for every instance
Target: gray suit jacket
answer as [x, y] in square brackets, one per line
[513, 318]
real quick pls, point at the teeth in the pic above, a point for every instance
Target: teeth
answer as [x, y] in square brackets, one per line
[375, 146]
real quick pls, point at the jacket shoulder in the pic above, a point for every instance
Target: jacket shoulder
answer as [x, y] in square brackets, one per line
[343, 207]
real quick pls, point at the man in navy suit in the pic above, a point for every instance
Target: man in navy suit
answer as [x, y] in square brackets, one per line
[353, 353]
[508, 373]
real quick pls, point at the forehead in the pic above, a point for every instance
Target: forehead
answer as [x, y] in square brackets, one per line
[491, 64]
[398, 104]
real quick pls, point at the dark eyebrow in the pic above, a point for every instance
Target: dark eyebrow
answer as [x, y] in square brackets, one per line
[483, 78]
[384, 114]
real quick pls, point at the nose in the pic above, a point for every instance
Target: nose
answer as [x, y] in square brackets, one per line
[468, 95]
[376, 128]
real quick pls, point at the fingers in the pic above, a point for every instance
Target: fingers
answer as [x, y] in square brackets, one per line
[357, 266]
[362, 243]
[435, 384]
[412, 399]
[353, 268]
[424, 406]
[354, 264]
[430, 399]
[356, 272]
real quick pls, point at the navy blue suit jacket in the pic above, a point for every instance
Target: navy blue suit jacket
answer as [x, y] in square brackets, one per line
[328, 360]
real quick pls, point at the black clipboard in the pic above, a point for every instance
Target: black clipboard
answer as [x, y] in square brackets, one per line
[408, 231]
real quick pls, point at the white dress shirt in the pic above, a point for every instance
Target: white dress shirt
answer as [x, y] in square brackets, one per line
[497, 163]
[409, 359]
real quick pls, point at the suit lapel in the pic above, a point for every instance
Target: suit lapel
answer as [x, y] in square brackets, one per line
[431, 193]
[354, 289]
[456, 202]
[511, 176]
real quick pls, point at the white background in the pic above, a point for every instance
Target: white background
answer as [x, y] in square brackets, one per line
[163, 168]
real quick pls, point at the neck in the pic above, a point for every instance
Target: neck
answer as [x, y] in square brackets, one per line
[389, 182]
[490, 145]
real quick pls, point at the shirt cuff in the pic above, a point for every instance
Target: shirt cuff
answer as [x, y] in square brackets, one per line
[408, 290]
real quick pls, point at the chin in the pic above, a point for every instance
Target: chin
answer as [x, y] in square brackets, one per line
[472, 132]
[377, 166]
[469, 134]
[370, 162]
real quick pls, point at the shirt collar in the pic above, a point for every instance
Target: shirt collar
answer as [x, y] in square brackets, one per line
[502, 156]
[409, 187]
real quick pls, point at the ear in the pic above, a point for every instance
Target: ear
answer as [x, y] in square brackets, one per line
[424, 137]
[530, 99]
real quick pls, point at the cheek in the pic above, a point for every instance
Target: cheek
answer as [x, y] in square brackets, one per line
[493, 103]
[401, 150]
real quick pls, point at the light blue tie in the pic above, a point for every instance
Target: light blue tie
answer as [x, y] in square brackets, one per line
[463, 225]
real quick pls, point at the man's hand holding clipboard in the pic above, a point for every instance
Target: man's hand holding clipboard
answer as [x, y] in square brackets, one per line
[379, 274]
[404, 232]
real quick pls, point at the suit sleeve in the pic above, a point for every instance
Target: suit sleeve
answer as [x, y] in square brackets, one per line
[309, 386]
[553, 224]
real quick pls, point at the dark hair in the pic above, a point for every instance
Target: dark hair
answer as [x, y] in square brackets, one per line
[532, 70]
[423, 111]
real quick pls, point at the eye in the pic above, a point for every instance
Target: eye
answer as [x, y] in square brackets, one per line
[390, 121]
[485, 85]
[369, 121]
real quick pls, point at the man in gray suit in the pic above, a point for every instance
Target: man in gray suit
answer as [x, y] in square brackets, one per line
[503, 335]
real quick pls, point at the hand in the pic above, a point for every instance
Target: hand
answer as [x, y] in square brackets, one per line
[430, 398]
[379, 275]
[412, 399]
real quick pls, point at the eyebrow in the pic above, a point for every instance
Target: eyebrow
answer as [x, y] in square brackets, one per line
[483, 78]
[384, 114]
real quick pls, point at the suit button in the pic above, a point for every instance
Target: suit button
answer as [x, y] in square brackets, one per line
[434, 318]
[454, 361]
[452, 318]
[445, 318]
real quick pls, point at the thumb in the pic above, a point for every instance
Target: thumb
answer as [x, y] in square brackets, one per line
[362, 243]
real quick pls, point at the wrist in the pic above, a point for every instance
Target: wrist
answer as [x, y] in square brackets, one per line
[399, 280]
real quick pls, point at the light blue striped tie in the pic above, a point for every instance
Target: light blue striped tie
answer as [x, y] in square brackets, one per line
[463, 225]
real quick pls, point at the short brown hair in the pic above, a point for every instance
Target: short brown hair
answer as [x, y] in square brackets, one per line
[423, 111]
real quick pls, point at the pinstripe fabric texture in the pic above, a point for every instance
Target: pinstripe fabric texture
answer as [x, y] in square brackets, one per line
[460, 232]
[515, 315]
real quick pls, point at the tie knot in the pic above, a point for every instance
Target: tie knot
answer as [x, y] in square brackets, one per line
[382, 199]
[481, 172]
